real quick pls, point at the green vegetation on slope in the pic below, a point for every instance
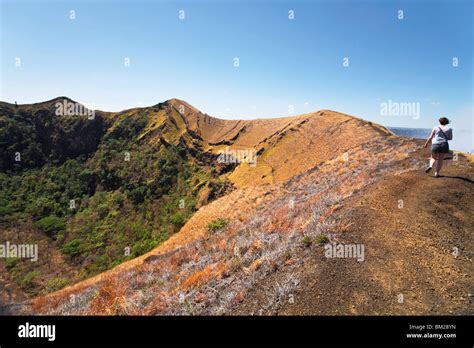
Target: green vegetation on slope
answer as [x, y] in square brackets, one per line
[97, 212]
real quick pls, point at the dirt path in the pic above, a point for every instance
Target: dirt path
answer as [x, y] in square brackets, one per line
[409, 266]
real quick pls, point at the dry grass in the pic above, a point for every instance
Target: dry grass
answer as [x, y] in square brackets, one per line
[328, 212]
[160, 304]
[253, 267]
[200, 277]
[110, 299]
[53, 302]
[39, 304]
[211, 274]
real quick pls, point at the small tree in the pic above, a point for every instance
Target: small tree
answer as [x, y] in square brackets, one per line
[216, 225]
[51, 225]
[73, 248]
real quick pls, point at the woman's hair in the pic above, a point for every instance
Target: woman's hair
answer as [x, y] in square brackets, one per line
[443, 121]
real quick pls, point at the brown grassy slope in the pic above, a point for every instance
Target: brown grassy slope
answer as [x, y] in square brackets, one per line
[401, 256]
[259, 211]
[206, 270]
[408, 251]
[308, 141]
[286, 146]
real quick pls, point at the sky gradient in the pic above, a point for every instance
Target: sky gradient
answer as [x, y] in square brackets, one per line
[287, 66]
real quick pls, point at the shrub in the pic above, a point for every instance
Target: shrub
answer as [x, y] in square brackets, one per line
[216, 225]
[137, 195]
[73, 248]
[110, 180]
[56, 283]
[11, 262]
[128, 128]
[102, 211]
[306, 241]
[41, 207]
[88, 180]
[51, 225]
[5, 210]
[100, 264]
[177, 219]
[118, 200]
[142, 247]
[29, 279]
[321, 239]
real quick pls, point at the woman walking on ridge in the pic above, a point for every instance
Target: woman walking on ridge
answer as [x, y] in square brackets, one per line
[439, 146]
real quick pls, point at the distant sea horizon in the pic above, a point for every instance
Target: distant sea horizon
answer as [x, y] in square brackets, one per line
[463, 140]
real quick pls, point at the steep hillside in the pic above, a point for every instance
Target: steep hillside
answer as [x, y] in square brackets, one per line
[254, 241]
[417, 261]
[32, 135]
[93, 189]
[269, 258]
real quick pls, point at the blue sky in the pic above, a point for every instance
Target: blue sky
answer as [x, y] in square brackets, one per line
[283, 62]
